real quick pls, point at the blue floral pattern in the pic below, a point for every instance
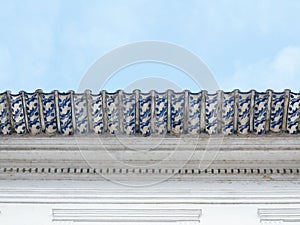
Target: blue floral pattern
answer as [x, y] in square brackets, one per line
[33, 113]
[177, 112]
[65, 113]
[97, 113]
[112, 104]
[49, 110]
[129, 113]
[277, 104]
[260, 112]
[5, 125]
[194, 113]
[17, 109]
[244, 113]
[211, 113]
[81, 117]
[145, 114]
[228, 113]
[161, 113]
[293, 113]
[157, 113]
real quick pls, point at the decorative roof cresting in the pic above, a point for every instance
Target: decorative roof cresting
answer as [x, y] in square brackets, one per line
[149, 113]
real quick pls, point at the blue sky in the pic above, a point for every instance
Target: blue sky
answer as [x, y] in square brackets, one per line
[246, 44]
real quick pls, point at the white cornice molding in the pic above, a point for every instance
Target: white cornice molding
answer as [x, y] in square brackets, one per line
[168, 192]
[87, 157]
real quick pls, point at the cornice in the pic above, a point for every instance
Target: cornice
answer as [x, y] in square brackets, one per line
[274, 156]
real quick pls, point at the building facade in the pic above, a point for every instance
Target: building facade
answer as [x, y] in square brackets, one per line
[150, 158]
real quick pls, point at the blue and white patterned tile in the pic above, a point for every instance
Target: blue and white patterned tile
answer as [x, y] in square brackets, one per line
[81, 117]
[244, 112]
[145, 113]
[129, 113]
[161, 113]
[33, 113]
[112, 106]
[276, 113]
[97, 113]
[260, 112]
[5, 125]
[65, 113]
[177, 112]
[18, 113]
[293, 113]
[194, 113]
[211, 113]
[228, 113]
[49, 110]
[160, 117]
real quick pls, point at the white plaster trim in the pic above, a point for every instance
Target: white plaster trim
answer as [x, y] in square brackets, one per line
[169, 192]
[130, 213]
[268, 156]
[277, 215]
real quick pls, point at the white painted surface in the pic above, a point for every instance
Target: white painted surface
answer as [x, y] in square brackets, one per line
[103, 202]
[249, 174]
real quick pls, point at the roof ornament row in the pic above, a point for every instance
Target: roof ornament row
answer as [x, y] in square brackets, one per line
[144, 114]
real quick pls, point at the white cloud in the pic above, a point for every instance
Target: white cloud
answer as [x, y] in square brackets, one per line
[277, 73]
